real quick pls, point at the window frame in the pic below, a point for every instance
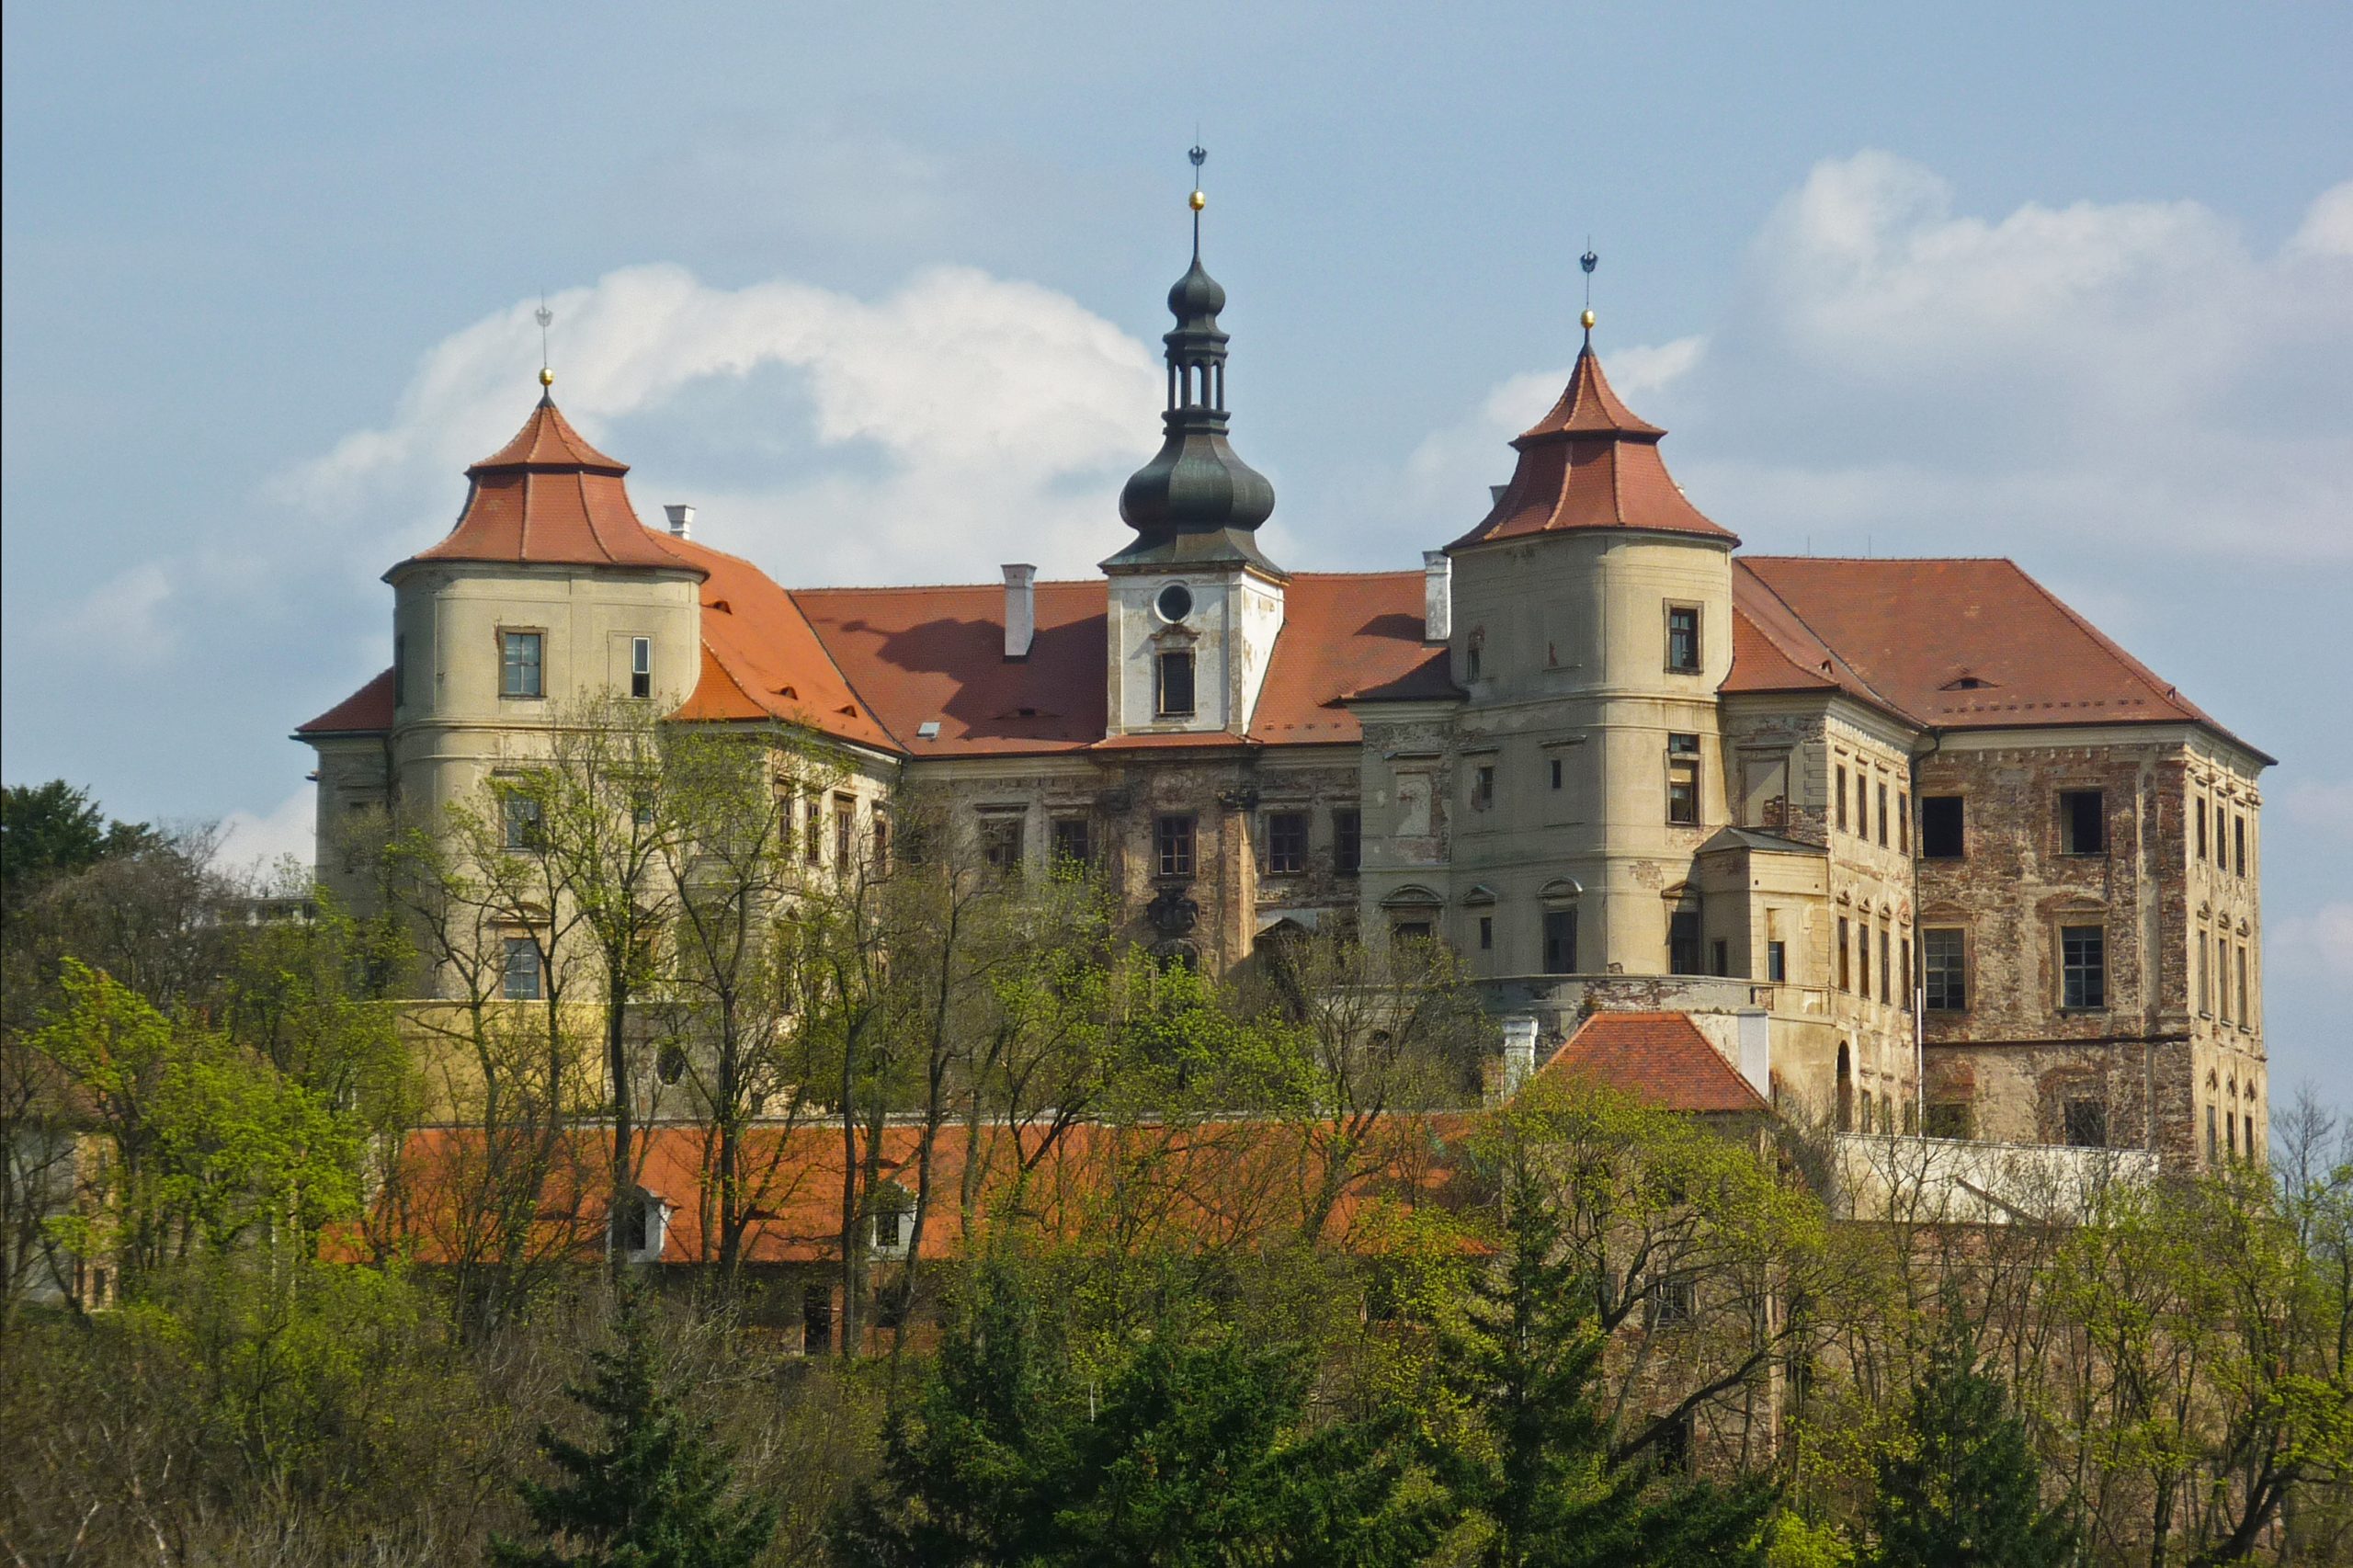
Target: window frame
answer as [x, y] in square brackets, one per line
[1004, 841]
[1960, 827]
[523, 946]
[1954, 976]
[1560, 951]
[1347, 840]
[1175, 845]
[1691, 659]
[640, 667]
[1685, 943]
[1683, 780]
[1287, 842]
[1164, 705]
[2073, 819]
[1061, 829]
[2083, 984]
[510, 640]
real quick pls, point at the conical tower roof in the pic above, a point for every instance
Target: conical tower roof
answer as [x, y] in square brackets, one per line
[549, 499]
[1591, 462]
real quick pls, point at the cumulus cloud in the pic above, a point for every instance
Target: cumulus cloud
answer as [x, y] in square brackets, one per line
[958, 422]
[125, 619]
[255, 844]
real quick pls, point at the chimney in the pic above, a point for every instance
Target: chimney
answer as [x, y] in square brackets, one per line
[1754, 1030]
[682, 519]
[1519, 1053]
[1437, 597]
[1020, 609]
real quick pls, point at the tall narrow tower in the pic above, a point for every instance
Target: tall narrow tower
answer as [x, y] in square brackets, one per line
[1195, 606]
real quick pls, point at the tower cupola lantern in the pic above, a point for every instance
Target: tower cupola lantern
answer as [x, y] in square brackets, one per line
[1195, 502]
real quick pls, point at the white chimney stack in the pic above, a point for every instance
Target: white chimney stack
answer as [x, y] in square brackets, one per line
[1756, 1034]
[682, 519]
[1020, 609]
[1519, 1053]
[1437, 597]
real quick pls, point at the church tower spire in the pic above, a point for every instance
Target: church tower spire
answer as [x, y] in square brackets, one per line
[1196, 502]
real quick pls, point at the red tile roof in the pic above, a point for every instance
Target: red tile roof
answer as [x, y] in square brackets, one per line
[1589, 463]
[548, 497]
[1952, 643]
[366, 711]
[760, 657]
[1658, 1057]
[1216, 1181]
[937, 654]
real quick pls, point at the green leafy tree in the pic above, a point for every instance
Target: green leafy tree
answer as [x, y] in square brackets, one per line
[1963, 1489]
[657, 1493]
[1529, 1455]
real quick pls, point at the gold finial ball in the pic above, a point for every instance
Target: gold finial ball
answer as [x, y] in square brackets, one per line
[1587, 319]
[1200, 201]
[546, 377]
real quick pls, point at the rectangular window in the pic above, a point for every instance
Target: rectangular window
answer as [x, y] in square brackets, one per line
[1863, 956]
[2246, 1020]
[1411, 930]
[1776, 962]
[400, 671]
[2083, 966]
[1483, 785]
[519, 819]
[1560, 941]
[2086, 1123]
[2213, 1139]
[881, 842]
[1286, 843]
[1001, 842]
[1347, 840]
[1720, 956]
[1683, 942]
[1176, 694]
[1840, 791]
[1683, 779]
[813, 830]
[845, 831]
[640, 667]
[1845, 939]
[2205, 991]
[1683, 638]
[2201, 829]
[1886, 953]
[1945, 970]
[2083, 822]
[1486, 933]
[1556, 773]
[2231, 1134]
[1073, 841]
[2222, 991]
[521, 981]
[1908, 973]
[1882, 816]
[816, 1320]
[1940, 827]
[2238, 842]
[1950, 1119]
[1904, 820]
[1173, 837]
[519, 667]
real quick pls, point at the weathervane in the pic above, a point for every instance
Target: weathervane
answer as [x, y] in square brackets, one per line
[1588, 261]
[543, 316]
[1200, 154]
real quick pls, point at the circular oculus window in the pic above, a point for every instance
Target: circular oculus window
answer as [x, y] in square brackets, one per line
[1175, 603]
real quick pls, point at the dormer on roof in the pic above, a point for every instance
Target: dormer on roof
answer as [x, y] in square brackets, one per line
[1591, 462]
[548, 498]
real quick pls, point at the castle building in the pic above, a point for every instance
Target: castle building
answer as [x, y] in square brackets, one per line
[1909, 841]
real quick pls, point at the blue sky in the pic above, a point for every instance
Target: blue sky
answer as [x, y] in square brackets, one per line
[878, 289]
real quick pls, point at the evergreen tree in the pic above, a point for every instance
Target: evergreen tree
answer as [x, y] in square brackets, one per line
[1965, 1489]
[654, 1495]
[1197, 1449]
[1534, 1456]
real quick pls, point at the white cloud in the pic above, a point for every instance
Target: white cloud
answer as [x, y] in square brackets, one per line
[254, 842]
[2320, 943]
[960, 421]
[124, 616]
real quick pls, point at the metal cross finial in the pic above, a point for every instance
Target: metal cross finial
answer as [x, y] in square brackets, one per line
[1588, 261]
[1200, 154]
[543, 316]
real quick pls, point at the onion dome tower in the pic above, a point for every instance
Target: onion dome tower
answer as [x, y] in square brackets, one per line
[1195, 502]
